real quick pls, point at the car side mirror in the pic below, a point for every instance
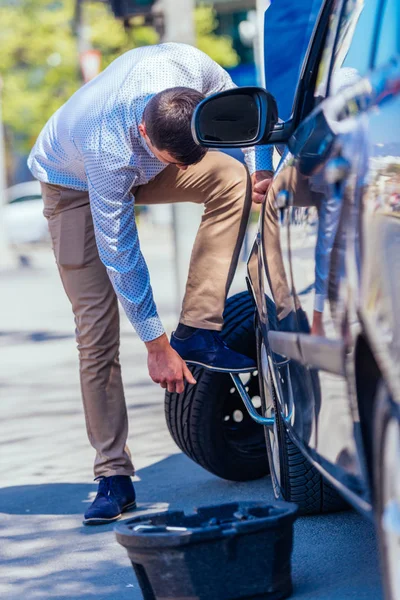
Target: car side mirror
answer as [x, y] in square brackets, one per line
[235, 118]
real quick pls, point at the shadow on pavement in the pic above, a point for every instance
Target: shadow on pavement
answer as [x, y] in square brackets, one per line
[46, 499]
[48, 553]
[173, 480]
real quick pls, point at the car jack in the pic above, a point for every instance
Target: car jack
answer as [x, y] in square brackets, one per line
[266, 421]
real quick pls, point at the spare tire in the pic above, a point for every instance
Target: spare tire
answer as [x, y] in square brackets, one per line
[208, 420]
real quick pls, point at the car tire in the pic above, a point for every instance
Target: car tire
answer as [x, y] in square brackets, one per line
[386, 447]
[208, 421]
[294, 478]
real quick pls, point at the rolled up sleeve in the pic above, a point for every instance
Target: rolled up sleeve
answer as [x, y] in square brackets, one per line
[259, 158]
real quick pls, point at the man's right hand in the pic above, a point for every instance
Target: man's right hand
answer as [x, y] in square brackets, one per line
[166, 366]
[261, 181]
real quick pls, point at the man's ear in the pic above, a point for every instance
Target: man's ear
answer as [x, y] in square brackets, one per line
[142, 129]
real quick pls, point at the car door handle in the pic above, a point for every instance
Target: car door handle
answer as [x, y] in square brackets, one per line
[283, 199]
[337, 170]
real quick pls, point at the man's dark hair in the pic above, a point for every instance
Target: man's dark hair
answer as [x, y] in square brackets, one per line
[168, 117]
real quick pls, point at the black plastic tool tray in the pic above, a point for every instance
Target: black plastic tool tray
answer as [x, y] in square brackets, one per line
[227, 552]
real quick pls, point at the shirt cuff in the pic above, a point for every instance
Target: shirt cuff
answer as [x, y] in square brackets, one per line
[259, 159]
[150, 329]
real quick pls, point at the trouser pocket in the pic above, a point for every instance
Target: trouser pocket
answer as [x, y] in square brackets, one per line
[70, 224]
[69, 231]
[51, 195]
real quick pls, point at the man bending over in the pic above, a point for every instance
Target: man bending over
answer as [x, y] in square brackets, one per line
[124, 139]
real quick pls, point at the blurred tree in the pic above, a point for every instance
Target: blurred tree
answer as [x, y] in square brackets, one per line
[39, 62]
[219, 47]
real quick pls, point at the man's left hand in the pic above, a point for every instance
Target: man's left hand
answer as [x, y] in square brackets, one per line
[260, 182]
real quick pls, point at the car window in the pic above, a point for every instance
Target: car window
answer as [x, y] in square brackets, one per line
[288, 29]
[26, 198]
[388, 44]
[326, 55]
[354, 43]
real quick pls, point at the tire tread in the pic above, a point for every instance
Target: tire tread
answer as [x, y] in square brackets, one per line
[301, 482]
[190, 416]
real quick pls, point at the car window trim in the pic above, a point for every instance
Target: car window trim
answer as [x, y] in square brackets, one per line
[377, 31]
[373, 49]
[377, 35]
[311, 59]
[330, 68]
[313, 52]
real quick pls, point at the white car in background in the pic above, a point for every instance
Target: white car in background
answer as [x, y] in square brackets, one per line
[23, 214]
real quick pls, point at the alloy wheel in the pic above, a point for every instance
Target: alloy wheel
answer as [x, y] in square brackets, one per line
[269, 411]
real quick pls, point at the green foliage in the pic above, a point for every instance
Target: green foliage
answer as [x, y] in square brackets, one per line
[39, 60]
[108, 35]
[218, 47]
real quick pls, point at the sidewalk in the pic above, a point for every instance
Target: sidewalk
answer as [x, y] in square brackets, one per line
[45, 461]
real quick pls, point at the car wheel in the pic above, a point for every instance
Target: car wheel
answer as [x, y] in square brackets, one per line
[387, 488]
[294, 478]
[208, 421]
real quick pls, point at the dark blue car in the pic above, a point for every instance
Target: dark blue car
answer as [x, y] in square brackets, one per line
[324, 276]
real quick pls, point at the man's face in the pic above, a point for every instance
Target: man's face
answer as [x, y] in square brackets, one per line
[162, 155]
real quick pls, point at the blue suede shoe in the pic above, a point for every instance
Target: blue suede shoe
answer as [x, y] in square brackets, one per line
[115, 495]
[207, 349]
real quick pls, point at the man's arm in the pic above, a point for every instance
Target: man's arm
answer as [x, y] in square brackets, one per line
[166, 367]
[112, 206]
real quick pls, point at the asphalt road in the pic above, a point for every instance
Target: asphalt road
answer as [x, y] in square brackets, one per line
[45, 467]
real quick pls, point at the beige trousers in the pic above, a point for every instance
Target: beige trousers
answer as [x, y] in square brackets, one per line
[219, 182]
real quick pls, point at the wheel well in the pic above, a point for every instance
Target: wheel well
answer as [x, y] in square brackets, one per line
[367, 375]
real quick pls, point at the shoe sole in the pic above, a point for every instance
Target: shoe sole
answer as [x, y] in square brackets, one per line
[221, 369]
[97, 521]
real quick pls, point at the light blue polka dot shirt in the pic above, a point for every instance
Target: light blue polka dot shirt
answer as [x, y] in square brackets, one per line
[92, 143]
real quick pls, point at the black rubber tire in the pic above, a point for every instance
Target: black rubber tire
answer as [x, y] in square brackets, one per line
[385, 412]
[196, 418]
[303, 484]
[298, 480]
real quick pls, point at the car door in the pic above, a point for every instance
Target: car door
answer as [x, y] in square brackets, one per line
[329, 157]
[375, 268]
[294, 383]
